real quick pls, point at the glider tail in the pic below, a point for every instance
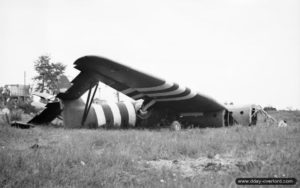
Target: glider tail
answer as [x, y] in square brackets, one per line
[53, 109]
[77, 113]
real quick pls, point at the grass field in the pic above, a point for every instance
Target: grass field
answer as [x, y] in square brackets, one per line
[211, 157]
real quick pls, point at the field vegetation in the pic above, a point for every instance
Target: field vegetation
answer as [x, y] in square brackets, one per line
[211, 157]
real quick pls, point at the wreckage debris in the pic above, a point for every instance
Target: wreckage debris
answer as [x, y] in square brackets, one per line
[34, 146]
[282, 123]
[21, 125]
[213, 167]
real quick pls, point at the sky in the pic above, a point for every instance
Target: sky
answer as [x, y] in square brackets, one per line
[241, 51]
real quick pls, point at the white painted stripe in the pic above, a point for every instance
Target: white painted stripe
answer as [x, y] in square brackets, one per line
[128, 91]
[131, 113]
[166, 85]
[100, 114]
[116, 113]
[189, 96]
[175, 92]
[137, 96]
[170, 93]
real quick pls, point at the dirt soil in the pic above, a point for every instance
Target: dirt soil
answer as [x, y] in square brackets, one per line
[192, 167]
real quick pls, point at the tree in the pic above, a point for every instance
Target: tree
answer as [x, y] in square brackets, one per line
[48, 73]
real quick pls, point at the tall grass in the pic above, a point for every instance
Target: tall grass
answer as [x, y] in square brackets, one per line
[55, 157]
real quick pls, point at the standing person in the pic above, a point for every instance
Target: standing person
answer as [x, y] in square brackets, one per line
[5, 94]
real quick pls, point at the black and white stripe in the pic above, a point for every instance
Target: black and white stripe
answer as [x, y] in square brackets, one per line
[120, 114]
[164, 92]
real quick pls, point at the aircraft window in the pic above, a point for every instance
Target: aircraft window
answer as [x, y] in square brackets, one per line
[242, 112]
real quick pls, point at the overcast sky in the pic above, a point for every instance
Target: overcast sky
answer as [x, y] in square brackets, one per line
[245, 51]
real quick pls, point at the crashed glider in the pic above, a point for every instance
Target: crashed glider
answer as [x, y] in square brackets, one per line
[163, 102]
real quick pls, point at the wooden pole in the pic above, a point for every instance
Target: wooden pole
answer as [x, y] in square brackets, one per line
[24, 78]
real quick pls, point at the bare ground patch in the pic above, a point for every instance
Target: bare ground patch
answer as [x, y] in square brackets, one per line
[189, 167]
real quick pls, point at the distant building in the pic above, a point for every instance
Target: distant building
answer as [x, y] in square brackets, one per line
[18, 90]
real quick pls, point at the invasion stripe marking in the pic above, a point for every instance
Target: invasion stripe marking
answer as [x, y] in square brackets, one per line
[175, 92]
[137, 96]
[127, 91]
[173, 88]
[163, 92]
[185, 93]
[100, 115]
[180, 92]
[108, 115]
[131, 113]
[124, 114]
[156, 88]
[116, 114]
[167, 87]
[133, 93]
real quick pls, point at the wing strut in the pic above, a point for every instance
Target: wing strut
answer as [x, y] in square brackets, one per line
[88, 103]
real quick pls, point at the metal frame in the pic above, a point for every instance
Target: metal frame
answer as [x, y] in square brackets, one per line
[88, 103]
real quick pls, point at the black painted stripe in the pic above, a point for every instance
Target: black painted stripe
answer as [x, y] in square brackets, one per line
[133, 93]
[185, 93]
[108, 115]
[124, 114]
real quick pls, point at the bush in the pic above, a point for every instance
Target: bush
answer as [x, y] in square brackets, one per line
[26, 107]
[16, 115]
[20, 104]
[269, 108]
